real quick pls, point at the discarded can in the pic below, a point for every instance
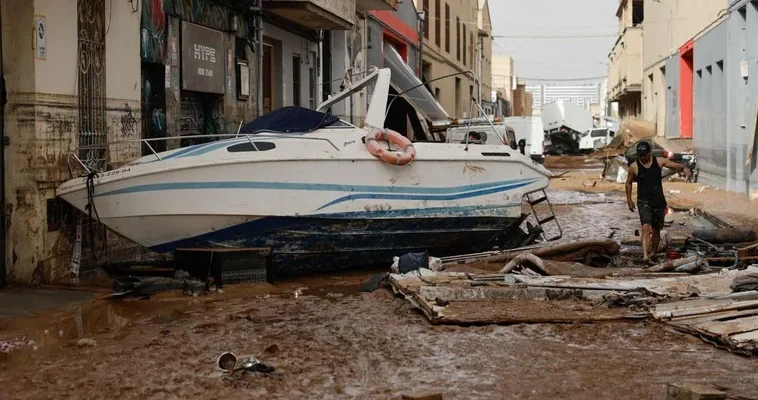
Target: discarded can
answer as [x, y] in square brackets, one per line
[226, 362]
[250, 363]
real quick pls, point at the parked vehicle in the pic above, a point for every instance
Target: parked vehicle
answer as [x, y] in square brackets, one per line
[595, 139]
[564, 123]
[481, 132]
[529, 129]
[320, 193]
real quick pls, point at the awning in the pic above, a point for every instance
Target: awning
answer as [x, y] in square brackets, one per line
[420, 98]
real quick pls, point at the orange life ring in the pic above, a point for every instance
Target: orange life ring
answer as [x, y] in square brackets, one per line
[390, 157]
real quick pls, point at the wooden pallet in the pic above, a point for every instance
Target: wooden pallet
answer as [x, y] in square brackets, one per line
[729, 321]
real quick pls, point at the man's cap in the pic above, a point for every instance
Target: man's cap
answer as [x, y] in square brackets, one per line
[643, 148]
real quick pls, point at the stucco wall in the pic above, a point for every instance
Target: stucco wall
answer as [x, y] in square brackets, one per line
[742, 45]
[710, 91]
[672, 97]
[671, 23]
[123, 79]
[292, 44]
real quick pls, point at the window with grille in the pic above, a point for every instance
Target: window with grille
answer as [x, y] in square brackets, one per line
[458, 38]
[463, 39]
[91, 83]
[426, 13]
[447, 28]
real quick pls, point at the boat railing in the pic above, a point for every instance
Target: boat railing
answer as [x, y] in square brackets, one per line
[99, 158]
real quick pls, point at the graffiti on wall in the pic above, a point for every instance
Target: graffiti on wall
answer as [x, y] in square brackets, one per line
[128, 123]
[153, 32]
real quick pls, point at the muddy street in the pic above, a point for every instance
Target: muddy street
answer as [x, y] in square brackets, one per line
[334, 342]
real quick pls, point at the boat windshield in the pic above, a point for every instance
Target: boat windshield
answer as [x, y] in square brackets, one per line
[292, 119]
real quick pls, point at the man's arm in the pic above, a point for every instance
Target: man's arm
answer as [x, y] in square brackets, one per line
[665, 162]
[632, 174]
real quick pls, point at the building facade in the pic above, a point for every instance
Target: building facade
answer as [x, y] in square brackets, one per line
[670, 30]
[451, 36]
[582, 95]
[625, 59]
[93, 77]
[698, 84]
[503, 75]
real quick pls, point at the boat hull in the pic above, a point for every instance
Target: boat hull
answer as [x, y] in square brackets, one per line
[315, 244]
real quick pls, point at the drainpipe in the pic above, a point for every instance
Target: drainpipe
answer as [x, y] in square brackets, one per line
[479, 72]
[320, 69]
[421, 17]
[2, 166]
[259, 72]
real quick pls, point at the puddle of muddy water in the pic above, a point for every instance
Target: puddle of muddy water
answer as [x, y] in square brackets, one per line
[589, 215]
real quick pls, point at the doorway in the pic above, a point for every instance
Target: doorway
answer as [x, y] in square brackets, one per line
[267, 83]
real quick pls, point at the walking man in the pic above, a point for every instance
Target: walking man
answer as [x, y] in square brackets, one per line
[647, 172]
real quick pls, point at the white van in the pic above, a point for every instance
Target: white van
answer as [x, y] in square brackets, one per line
[531, 130]
[482, 134]
[595, 139]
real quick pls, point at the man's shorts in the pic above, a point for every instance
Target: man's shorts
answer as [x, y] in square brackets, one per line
[651, 216]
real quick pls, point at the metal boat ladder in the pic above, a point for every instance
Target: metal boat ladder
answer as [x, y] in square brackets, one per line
[539, 198]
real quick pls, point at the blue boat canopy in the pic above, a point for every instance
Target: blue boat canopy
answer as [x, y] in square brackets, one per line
[291, 119]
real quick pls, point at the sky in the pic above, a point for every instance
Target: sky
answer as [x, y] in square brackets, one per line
[555, 58]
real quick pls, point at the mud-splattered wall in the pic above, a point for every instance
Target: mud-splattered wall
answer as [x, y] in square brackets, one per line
[42, 122]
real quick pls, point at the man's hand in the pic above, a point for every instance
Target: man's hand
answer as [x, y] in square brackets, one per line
[632, 208]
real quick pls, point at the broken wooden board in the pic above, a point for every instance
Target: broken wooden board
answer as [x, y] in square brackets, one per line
[704, 285]
[457, 299]
[730, 321]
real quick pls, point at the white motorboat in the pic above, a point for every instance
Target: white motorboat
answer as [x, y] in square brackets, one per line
[315, 196]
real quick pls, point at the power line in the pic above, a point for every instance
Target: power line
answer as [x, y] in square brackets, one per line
[591, 78]
[588, 36]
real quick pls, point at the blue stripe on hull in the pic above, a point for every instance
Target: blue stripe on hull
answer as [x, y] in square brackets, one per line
[307, 244]
[321, 187]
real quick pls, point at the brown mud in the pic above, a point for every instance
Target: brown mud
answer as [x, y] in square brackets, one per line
[335, 342]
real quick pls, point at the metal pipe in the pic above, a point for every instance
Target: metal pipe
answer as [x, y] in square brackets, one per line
[259, 72]
[481, 61]
[320, 69]
[3, 100]
[421, 17]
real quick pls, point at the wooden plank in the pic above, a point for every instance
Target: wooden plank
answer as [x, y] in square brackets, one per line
[730, 327]
[715, 317]
[744, 337]
[690, 304]
[740, 305]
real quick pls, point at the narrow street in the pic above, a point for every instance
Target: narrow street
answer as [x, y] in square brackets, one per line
[333, 341]
[379, 199]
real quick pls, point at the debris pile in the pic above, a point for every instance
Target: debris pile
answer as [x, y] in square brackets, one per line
[572, 282]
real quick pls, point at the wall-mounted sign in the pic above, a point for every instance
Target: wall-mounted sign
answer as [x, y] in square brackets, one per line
[202, 59]
[40, 36]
